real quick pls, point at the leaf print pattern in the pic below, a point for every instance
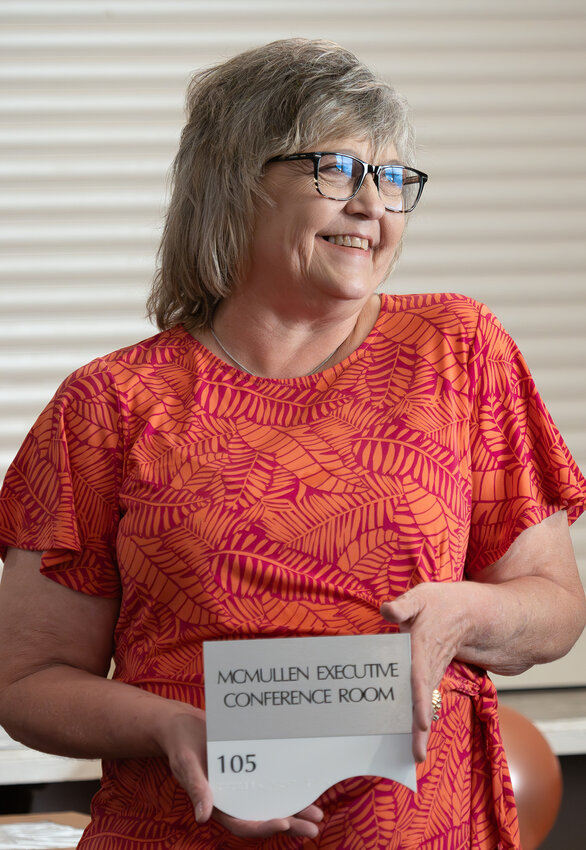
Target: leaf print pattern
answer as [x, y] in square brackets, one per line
[221, 506]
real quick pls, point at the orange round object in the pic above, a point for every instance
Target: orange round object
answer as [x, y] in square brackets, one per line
[536, 776]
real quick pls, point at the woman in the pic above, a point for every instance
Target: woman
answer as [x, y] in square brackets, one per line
[292, 455]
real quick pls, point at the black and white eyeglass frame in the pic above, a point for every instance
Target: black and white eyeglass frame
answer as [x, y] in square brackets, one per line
[367, 168]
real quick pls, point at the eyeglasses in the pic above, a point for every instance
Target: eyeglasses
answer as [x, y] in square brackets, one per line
[339, 176]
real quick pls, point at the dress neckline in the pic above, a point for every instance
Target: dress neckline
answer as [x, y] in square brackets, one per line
[217, 365]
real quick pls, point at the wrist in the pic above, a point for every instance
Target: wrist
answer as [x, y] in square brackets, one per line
[476, 614]
[177, 721]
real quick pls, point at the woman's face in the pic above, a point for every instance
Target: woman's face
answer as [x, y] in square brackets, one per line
[293, 258]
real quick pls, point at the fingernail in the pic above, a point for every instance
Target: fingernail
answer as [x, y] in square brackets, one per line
[199, 812]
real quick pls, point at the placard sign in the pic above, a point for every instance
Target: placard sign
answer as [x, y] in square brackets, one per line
[288, 718]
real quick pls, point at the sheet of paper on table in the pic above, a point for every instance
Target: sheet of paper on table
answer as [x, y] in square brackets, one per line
[43, 835]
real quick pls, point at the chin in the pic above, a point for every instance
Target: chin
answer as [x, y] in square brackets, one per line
[354, 289]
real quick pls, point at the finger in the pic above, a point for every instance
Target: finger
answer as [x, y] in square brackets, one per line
[400, 610]
[421, 695]
[303, 824]
[311, 813]
[421, 723]
[251, 828]
[419, 746]
[202, 800]
[188, 770]
[203, 808]
[421, 712]
[303, 828]
[294, 826]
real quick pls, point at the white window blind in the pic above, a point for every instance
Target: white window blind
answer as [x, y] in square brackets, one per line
[91, 106]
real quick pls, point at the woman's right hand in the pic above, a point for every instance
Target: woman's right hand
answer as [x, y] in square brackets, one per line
[55, 648]
[184, 742]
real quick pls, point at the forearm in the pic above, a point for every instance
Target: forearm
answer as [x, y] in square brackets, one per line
[530, 606]
[527, 607]
[70, 712]
[55, 648]
[515, 624]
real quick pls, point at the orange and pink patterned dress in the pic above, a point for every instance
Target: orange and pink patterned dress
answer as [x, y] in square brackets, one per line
[218, 505]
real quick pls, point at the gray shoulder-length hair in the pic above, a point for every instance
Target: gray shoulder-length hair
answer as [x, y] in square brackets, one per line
[281, 98]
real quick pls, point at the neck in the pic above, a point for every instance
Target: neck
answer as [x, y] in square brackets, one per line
[272, 346]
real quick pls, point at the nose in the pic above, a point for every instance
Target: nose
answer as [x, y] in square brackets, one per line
[367, 201]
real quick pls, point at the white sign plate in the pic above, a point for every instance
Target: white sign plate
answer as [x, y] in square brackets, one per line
[289, 717]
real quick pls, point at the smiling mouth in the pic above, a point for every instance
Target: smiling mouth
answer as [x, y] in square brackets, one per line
[349, 242]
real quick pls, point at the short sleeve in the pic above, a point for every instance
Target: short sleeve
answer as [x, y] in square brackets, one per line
[521, 469]
[60, 493]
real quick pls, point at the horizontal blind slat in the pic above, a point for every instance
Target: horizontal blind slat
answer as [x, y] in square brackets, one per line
[91, 107]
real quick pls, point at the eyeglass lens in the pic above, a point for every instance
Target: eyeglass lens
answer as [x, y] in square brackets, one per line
[338, 176]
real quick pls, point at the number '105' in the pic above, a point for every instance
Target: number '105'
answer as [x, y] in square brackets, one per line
[237, 764]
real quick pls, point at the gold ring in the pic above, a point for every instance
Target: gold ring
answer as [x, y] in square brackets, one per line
[436, 704]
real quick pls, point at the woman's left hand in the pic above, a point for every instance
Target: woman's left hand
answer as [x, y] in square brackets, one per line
[435, 615]
[527, 608]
